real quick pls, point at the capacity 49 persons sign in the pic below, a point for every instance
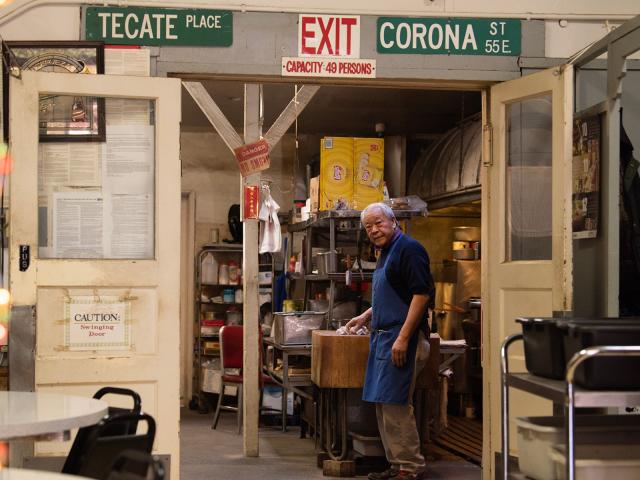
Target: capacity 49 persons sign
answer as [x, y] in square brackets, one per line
[449, 36]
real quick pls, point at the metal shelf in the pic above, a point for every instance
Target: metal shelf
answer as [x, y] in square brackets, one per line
[556, 390]
[233, 285]
[321, 219]
[223, 303]
[338, 277]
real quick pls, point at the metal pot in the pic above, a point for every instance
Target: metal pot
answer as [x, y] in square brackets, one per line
[323, 262]
[466, 234]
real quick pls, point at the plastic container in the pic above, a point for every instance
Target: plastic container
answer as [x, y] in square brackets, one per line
[294, 328]
[537, 436]
[543, 346]
[223, 274]
[238, 295]
[209, 269]
[234, 274]
[545, 343]
[367, 446]
[228, 295]
[604, 373]
[600, 462]
[234, 317]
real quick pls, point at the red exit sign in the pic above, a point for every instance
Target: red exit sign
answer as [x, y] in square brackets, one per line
[329, 36]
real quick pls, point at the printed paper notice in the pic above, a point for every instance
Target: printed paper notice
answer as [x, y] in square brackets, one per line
[97, 323]
[129, 162]
[131, 226]
[69, 165]
[127, 111]
[127, 61]
[78, 225]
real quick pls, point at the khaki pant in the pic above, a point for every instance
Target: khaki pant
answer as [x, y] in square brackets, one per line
[397, 424]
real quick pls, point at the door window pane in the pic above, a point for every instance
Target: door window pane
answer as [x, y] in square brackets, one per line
[96, 199]
[529, 133]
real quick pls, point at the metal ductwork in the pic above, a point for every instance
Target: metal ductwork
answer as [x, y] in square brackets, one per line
[448, 173]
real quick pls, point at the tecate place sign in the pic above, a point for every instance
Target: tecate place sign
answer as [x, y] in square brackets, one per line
[159, 26]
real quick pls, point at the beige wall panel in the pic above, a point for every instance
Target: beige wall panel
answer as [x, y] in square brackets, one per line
[147, 391]
[211, 172]
[51, 332]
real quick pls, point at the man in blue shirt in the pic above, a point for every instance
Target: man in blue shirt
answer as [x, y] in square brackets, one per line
[402, 292]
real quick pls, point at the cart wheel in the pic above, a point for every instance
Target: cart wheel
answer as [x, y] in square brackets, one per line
[193, 403]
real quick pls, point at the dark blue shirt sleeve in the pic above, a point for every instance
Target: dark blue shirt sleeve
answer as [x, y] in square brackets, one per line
[415, 268]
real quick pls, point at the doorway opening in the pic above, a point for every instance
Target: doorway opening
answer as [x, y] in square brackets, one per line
[433, 145]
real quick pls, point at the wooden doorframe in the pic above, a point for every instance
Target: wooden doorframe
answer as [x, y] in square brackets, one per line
[187, 269]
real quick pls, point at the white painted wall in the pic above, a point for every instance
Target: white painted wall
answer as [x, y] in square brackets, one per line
[210, 171]
[42, 23]
[563, 38]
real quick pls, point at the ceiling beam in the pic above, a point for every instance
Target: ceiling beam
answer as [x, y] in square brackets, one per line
[214, 114]
[295, 107]
[599, 47]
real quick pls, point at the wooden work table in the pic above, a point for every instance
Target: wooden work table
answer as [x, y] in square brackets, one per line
[338, 361]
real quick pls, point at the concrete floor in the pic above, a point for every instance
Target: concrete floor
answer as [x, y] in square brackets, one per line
[217, 454]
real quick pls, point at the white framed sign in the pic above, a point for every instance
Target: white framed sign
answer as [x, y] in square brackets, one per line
[97, 323]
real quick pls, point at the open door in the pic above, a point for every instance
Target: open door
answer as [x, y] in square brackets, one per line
[101, 221]
[526, 234]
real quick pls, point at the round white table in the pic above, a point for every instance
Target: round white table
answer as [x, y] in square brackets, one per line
[31, 414]
[23, 474]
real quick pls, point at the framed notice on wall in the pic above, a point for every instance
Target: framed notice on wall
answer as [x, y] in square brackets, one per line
[585, 208]
[62, 117]
[97, 323]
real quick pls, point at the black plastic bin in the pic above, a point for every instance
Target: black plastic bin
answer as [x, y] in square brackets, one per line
[543, 346]
[612, 373]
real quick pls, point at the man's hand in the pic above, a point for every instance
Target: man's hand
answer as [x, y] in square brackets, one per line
[399, 351]
[356, 323]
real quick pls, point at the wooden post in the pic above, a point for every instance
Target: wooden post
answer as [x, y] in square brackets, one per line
[252, 367]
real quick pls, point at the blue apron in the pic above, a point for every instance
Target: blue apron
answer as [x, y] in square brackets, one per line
[384, 382]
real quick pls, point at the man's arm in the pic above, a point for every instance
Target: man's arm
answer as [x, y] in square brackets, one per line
[415, 315]
[356, 322]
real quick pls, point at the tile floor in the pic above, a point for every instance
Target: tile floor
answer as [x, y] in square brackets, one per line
[217, 454]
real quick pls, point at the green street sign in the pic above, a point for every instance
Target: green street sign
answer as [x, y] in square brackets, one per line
[449, 36]
[159, 26]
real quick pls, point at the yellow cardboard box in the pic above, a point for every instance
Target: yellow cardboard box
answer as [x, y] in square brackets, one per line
[336, 173]
[368, 166]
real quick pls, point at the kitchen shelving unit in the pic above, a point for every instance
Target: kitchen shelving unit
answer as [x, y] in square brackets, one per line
[201, 352]
[343, 227]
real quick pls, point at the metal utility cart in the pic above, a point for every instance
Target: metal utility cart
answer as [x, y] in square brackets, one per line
[563, 393]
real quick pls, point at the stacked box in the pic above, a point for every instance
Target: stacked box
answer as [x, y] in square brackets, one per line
[351, 172]
[336, 173]
[368, 167]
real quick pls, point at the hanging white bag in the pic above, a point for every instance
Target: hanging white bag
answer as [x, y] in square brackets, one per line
[270, 234]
